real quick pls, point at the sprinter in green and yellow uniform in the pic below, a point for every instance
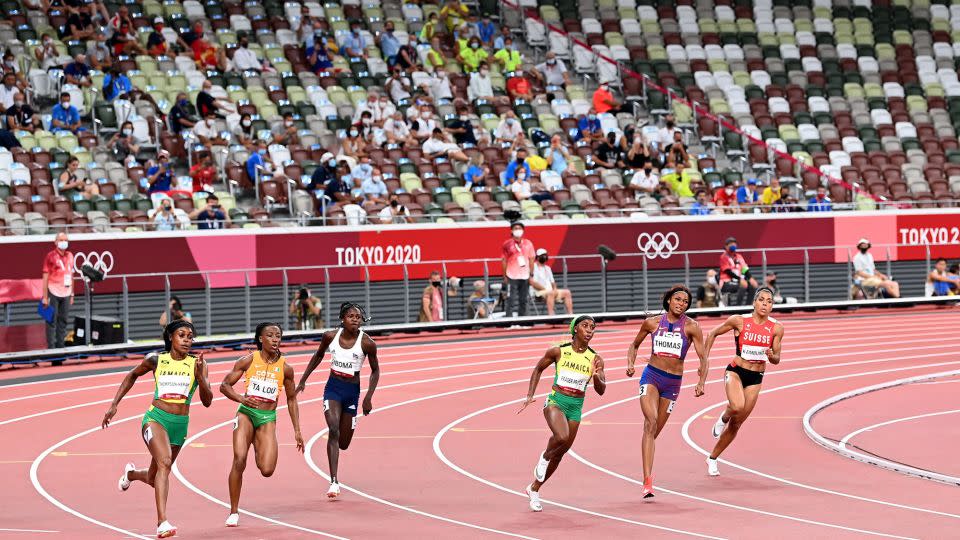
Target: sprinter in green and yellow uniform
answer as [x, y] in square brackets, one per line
[576, 366]
[177, 375]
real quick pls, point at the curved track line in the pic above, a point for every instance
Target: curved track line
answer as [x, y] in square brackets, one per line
[846, 439]
[686, 437]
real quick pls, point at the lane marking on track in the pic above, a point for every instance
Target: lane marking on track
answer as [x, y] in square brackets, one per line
[846, 439]
[686, 437]
[38, 531]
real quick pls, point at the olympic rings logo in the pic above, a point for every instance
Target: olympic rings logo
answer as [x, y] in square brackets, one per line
[658, 244]
[100, 261]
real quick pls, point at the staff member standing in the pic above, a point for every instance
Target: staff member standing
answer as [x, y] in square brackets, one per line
[517, 261]
[58, 289]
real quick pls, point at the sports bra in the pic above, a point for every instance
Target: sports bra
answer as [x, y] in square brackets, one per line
[174, 380]
[346, 362]
[754, 340]
[670, 340]
[264, 379]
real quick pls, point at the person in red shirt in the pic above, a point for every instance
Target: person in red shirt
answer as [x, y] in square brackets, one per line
[58, 289]
[203, 172]
[725, 199]
[518, 87]
[735, 274]
[603, 100]
[517, 259]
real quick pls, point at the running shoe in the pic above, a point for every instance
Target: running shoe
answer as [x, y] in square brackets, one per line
[233, 520]
[719, 427]
[166, 530]
[647, 490]
[334, 490]
[534, 499]
[540, 473]
[124, 483]
[712, 468]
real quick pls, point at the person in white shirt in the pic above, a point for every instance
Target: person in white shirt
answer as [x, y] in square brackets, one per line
[865, 271]
[397, 131]
[425, 123]
[481, 85]
[645, 181]
[438, 146]
[542, 285]
[398, 85]
[438, 85]
[666, 134]
[552, 72]
[208, 134]
[244, 59]
[509, 128]
[520, 186]
[395, 212]
[8, 91]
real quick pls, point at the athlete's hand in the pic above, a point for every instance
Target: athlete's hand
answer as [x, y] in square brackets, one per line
[598, 368]
[249, 402]
[111, 412]
[526, 402]
[301, 387]
[770, 354]
[299, 439]
[198, 369]
[698, 391]
[630, 371]
[367, 406]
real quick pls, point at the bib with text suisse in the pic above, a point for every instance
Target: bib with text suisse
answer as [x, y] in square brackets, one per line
[755, 339]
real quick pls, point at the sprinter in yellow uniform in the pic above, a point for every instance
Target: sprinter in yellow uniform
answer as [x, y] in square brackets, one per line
[267, 374]
[576, 366]
[177, 375]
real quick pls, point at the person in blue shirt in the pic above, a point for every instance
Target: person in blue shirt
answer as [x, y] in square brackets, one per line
[557, 156]
[589, 127]
[354, 44]
[160, 176]
[257, 159]
[66, 117]
[374, 189]
[78, 72]
[747, 195]
[485, 31]
[339, 189]
[520, 161]
[116, 84]
[702, 206]
[389, 44]
[318, 56]
[211, 216]
[820, 202]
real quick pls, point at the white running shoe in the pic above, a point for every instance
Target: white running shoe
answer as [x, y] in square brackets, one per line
[334, 490]
[124, 483]
[166, 530]
[719, 427]
[233, 520]
[540, 473]
[712, 468]
[534, 499]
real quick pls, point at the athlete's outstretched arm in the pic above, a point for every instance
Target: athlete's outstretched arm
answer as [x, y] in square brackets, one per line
[734, 322]
[646, 328]
[226, 387]
[369, 348]
[599, 375]
[549, 357]
[325, 342]
[148, 364]
[203, 381]
[292, 406]
[773, 353]
[696, 336]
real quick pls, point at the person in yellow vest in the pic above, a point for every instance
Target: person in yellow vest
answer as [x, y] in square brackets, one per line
[177, 375]
[454, 14]
[577, 366]
[508, 57]
[435, 59]
[472, 56]
[267, 374]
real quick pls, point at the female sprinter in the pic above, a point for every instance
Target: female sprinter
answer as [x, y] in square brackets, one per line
[576, 365]
[757, 337]
[177, 375]
[673, 333]
[348, 346]
[267, 373]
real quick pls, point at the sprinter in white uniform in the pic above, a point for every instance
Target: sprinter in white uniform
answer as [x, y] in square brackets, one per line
[348, 347]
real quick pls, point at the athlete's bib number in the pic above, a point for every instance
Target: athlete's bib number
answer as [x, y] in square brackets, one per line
[263, 389]
[573, 380]
[668, 344]
[173, 386]
[343, 367]
[752, 353]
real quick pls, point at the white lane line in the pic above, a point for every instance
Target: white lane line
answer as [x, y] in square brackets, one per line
[846, 439]
[686, 437]
[37, 531]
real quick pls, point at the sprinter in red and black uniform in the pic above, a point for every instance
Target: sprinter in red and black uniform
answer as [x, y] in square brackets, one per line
[758, 337]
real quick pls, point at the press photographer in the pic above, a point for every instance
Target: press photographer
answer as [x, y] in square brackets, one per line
[306, 308]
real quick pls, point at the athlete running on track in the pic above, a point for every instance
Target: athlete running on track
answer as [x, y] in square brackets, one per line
[177, 375]
[576, 365]
[673, 333]
[267, 373]
[348, 347]
[757, 337]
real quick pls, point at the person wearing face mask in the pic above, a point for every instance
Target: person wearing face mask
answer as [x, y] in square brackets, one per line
[354, 145]
[708, 293]
[588, 127]
[397, 131]
[481, 86]
[57, 286]
[865, 273]
[725, 199]
[208, 133]
[603, 100]
[508, 56]
[644, 182]
[424, 124]
[735, 275]
[461, 128]
[394, 212]
[373, 188]
[21, 117]
[206, 103]
[558, 156]
[398, 86]
[181, 114]
[320, 52]
[431, 303]
[770, 282]
[160, 176]
[47, 55]
[354, 45]
[552, 71]
[544, 286]
[164, 219]
[388, 43]
[437, 86]
[608, 154]
[8, 92]
[518, 87]
[10, 65]
[245, 59]
[365, 125]
[203, 173]
[285, 132]
[65, 117]
[519, 162]
[244, 132]
[434, 57]
[509, 128]
[820, 202]
[517, 259]
[156, 42]
[472, 56]
[453, 14]
[123, 144]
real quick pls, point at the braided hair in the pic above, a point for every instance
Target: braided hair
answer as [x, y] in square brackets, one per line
[674, 290]
[259, 332]
[347, 306]
[169, 330]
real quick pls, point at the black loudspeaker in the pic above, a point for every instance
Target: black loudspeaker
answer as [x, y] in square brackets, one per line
[103, 330]
[607, 253]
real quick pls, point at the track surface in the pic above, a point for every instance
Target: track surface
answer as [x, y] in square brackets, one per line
[445, 456]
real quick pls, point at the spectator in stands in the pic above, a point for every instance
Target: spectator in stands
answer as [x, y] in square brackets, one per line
[747, 196]
[667, 134]
[285, 132]
[517, 259]
[203, 172]
[939, 281]
[211, 216]
[57, 285]
[820, 202]
[120, 18]
[378, 106]
[123, 144]
[354, 145]
[9, 92]
[245, 59]
[176, 312]
[453, 14]
[374, 189]
[388, 43]
[638, 155]
[552, 72]
[164, 219]
[645, 181]
[77, 72]
[725, 199]
[394, 212]
[771, 194]
[677, 150]
[735, 275]
[544, 286]
[770, 281]
[98, 51]
[306, 23]
[208, 55]
[47, 55]
[181, 116]
[508, 56]
[437, 85]
[10, 65]
[479, 304]
[702, 207]
[786, 204]
[397, 131]
[439, 146]
[608, 155]
[321, 53]
[156, 42]
[461, 127]
[501, 40]
[244, 131]
[588, 127]
[486, 31]
[71, 185]
[558, 156]
[679, 181]
[520, 161]
[116, 84]
[604, 102]
[865, 271]
[518, 87]
[708, 293]
[520, 185]
[509, 128]
[430, 28]
[398, 85]
[339, 188]
[407, 58]
[324, 172]
[124, 42]
[473, 56]
[206, 103]
[160, 176]
[21, 117]
[65, 117]
[80, 24]
[477, 173]
[307, 308]
[354, 45]
[434, 55]
[207, 132]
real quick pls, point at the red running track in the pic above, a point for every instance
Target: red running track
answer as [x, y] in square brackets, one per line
[445, 456]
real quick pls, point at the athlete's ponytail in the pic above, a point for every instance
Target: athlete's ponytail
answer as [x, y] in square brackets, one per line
[171, 328]
[674, 290]
[346, 306]
[259, 331]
